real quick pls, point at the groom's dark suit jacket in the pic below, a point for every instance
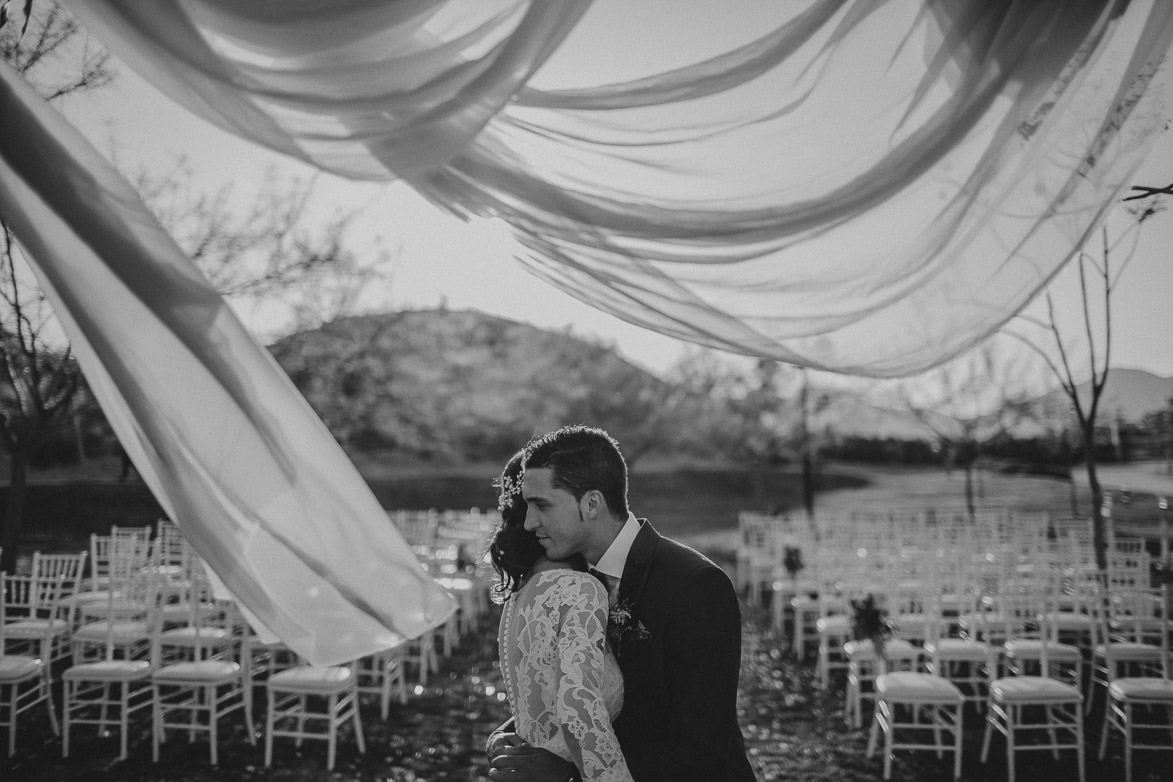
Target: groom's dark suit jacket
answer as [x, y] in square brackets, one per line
[679, 718]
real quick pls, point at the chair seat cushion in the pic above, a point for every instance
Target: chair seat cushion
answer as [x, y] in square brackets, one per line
[1030, 648]
[203, 671]
[1069, 621]
[311, 679]
[959, 649]
[121, 632]
[894, 649]
[109, 670]
[910, 687]
[1129, 651]
[1142, 689]
[834, 625]
[1033, 689]
[15, 668]
[36, 628]
[197, 636]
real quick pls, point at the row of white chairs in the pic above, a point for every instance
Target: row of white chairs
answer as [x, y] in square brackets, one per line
[143, 631]
[1023, 646]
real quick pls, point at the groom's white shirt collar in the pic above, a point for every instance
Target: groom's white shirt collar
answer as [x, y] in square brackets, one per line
[615, 557]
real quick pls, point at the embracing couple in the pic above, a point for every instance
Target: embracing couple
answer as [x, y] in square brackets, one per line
[620, 648]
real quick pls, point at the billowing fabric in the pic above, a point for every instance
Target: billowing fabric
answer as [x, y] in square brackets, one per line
[224, 440]
[564, 686]
[871, 187]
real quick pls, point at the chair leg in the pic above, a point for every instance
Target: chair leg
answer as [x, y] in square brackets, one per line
[156, 722]
[889, 740]
[332, 739]
[48, 685]
[247, 701]
[269, 730]
[1012, 716]
[362, 744]
[872, 734]
[957, 732]
[66, 699]
[301, 709]
[124, 700]
[12, 719]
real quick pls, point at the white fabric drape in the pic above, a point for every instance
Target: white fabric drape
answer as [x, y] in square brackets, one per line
[869, 188]
[218, 432]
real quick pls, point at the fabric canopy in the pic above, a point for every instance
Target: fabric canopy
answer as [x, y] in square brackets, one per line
[868, 187]
[224, 440]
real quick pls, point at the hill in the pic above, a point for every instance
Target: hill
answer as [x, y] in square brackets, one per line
[457, 384]
[1130, 392]
[445, 385]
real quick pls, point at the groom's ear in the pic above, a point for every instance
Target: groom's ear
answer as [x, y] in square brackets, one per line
[592, 504]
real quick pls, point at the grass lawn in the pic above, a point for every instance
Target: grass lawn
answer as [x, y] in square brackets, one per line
[793, 731]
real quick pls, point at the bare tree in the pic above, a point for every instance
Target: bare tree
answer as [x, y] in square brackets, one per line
[53, 53]
[41, 377]
[260, 245]
[970, 402]
[261, 251]
[1098, 277]
[39, 382]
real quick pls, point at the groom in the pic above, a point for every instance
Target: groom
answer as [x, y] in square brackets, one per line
[675, 622]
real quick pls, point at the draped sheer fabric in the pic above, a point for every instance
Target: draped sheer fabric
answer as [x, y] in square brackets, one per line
[869, 187]
[221, 436]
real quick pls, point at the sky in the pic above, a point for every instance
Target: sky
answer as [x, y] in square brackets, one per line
[437, 259]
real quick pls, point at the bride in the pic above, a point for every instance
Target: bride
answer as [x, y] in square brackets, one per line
[563, 683]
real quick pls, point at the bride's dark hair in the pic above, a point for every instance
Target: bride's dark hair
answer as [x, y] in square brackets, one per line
[513, 549]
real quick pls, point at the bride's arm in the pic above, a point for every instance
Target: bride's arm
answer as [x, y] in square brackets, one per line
[580, 708]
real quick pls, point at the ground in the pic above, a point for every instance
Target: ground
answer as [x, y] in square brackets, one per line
[793, 731]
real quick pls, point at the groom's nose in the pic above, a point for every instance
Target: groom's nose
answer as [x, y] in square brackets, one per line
[531, 521]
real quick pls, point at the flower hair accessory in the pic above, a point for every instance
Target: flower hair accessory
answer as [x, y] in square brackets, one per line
[510, 488]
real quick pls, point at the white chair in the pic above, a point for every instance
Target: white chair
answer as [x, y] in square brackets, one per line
[109, 679]
[207, 684]
[968, 663]
[864, 665]
[914, 711]
[24, 683]
[421, 653]
[1140, 705]
[106, 689]
[1027, 642]
[118, 624]
[308, 697]
[833, 628]
[68, 568]
[1058, 708]
[1127, 644]
[36, 620]
[382, 674]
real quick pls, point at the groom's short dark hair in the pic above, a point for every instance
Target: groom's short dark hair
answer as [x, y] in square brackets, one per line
[582, 458]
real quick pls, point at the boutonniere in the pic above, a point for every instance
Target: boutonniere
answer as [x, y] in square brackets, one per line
[621, 626]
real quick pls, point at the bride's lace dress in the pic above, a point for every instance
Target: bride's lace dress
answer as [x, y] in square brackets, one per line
[563, 685]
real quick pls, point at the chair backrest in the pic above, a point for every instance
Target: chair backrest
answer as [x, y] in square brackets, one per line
[69, 568]
[28, 597]
[116, 556]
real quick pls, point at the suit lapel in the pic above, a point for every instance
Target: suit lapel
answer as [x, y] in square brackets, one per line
[639, 562]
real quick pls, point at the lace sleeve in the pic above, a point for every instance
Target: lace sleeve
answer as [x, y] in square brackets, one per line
[581, 711]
